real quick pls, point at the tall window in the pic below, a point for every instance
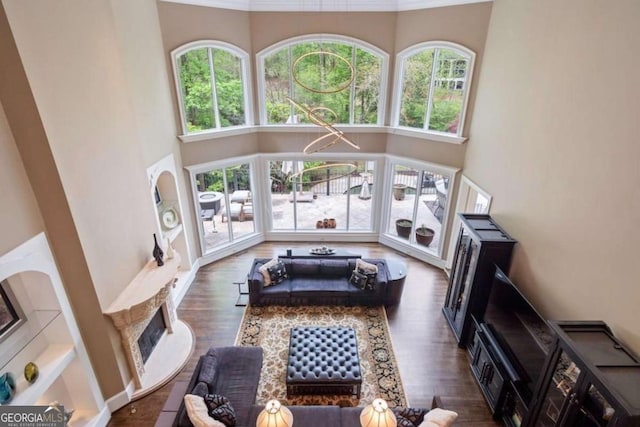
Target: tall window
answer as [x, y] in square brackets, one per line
[434, 80]
[211, 82]
[418, 205]
[225, 204]
[340, 79]
[322, 195]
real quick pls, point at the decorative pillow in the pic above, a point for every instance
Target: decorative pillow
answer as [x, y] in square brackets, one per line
[214, 400]
[426, 423]
[366, 267]
[358, 280]
[441, 417]
[409, 417]
[198, 413]
[370, 270]
[220, 409]
[278, 273]
[264, 270]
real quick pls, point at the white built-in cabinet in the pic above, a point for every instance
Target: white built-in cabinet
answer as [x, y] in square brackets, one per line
[49, 337]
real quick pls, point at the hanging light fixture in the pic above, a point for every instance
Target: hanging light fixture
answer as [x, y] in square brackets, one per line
[377, 414]
[275, 415]
[332, 131]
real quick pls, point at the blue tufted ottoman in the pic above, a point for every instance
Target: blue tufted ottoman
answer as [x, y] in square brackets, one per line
[323, 361]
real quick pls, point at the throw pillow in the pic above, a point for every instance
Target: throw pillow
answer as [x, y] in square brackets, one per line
[198, 413]
[358, 280]
[264, 270]
[278, 273]
[426, 423]
[410, 417]
[441, 417]
[366, 267]
[370, 270]
[220, 409]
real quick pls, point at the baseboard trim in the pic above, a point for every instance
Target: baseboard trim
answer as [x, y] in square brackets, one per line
[121, 399]
[102, 419]
[185, 279]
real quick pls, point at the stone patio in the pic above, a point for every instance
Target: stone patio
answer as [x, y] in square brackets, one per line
[334, 206]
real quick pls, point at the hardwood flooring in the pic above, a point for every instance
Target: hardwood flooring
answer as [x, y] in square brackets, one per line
[430, 361]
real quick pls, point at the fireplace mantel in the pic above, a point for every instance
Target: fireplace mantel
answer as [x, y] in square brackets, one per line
[132, 311]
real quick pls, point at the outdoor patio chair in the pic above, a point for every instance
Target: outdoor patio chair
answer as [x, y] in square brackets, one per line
[235, 211]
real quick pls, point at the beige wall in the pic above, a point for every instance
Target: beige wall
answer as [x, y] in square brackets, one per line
[32, 143]
[19, 217]
[554, 140]
[150, 89]
[95, 70]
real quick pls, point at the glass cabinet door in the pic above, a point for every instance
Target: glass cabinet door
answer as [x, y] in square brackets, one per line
[461, 267]
[561, 390]
[466, 278]
[593, 410]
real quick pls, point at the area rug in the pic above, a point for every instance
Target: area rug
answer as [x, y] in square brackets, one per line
[269, 328]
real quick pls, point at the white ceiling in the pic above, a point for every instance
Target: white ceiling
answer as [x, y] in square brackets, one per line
[325, 5]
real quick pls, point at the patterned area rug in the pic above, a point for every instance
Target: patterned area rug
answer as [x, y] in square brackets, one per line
[269, 328]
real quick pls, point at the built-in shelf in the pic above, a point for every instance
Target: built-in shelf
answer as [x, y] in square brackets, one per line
[49, 337]
[51, 363]
[172, 234]
[37, 321]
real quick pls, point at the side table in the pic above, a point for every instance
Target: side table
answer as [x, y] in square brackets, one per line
[397, 276]
[243, 295]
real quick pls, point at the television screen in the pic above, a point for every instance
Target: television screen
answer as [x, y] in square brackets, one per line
[521, 332]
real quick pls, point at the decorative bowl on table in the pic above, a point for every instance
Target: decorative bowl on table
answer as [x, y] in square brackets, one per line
[321, 251]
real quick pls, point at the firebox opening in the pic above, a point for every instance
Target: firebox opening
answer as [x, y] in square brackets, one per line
[151, 335]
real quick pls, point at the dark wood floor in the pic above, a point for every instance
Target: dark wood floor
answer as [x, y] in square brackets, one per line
[430, 362]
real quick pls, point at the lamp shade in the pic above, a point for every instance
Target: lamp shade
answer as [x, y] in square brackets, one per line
[274, 415]
[377, 414]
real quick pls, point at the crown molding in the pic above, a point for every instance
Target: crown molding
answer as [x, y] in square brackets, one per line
[325, 5]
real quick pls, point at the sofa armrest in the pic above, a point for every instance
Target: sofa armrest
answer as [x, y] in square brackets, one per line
[436, 402]
[255, 278]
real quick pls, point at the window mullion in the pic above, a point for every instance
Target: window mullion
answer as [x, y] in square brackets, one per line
[292, 111]
[352, 88]
[216, 113]
[432, 85]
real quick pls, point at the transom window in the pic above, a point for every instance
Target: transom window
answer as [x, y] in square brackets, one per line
[211, 80]
[340, 79]
[433, 87]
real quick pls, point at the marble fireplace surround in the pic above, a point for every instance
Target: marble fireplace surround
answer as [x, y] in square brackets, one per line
[132, 311]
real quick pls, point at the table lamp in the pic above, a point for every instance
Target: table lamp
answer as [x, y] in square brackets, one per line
[377, 414]
[275, 415]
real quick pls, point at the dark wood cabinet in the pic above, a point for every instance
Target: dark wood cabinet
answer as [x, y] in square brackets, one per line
[481, 245]
[485, 368]
[590, 380]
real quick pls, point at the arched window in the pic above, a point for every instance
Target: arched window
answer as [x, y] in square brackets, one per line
[432, 87]
[341, 79]
[212, 83]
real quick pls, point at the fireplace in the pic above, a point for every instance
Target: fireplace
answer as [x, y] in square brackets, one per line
[151, 335]
[145, 307]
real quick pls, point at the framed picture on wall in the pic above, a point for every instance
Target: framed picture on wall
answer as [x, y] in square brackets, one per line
[11, 315]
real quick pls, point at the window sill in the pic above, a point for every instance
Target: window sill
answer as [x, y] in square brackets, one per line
[310, 128]
[217, 133]
[430, 135]
[241, 130]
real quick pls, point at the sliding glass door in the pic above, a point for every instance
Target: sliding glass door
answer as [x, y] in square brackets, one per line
[225, 204]
[322, 195]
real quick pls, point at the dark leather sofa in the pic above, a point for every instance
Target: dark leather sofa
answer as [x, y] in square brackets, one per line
[317, 281]
[234, 372]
